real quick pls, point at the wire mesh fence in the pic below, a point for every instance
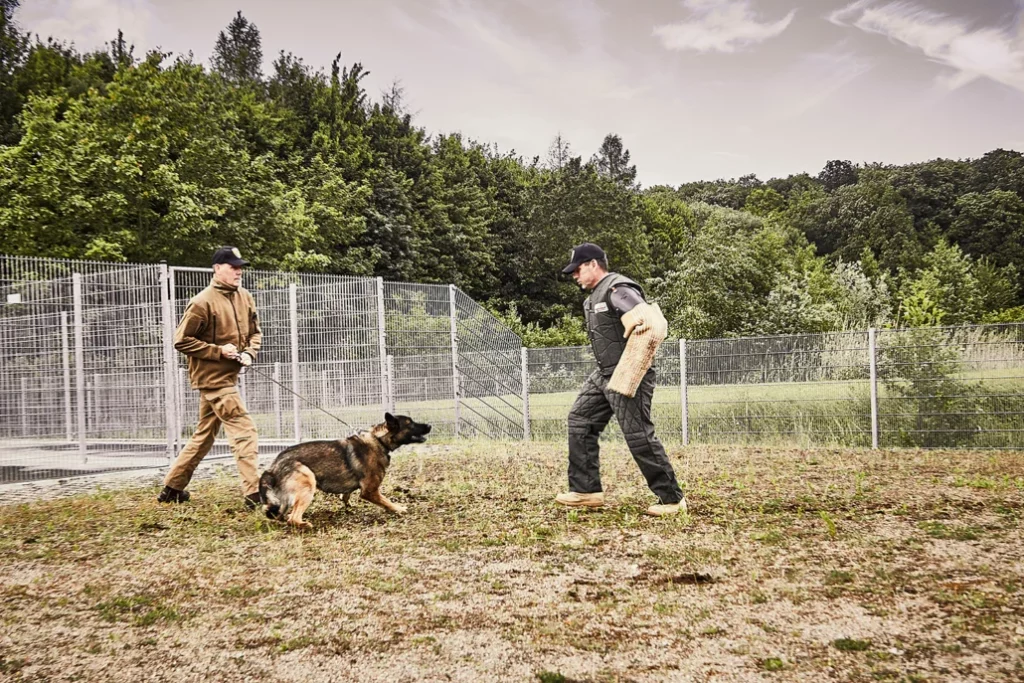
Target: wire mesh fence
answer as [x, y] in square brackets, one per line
[89, 379]
[805, 389]
[954, 386]
[959, 387]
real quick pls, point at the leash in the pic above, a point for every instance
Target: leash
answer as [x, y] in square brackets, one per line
[253, 368]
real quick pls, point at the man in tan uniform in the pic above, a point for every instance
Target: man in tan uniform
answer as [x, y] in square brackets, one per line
[220, 333]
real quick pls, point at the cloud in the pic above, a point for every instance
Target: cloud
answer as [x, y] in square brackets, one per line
[88, 23]
[720, 26]
[561, 72]
[819, 75]
[971, 52]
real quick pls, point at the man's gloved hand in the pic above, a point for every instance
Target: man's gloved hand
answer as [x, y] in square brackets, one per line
[244, 358]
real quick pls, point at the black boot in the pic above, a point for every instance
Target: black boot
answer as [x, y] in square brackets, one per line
[253, 501]
[169, 495]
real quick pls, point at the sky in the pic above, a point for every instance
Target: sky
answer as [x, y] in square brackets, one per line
[696, 89]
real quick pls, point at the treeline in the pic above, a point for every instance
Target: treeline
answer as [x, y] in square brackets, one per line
[113, 156]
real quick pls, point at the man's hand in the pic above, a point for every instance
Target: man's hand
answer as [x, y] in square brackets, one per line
[244, 358]
[229, 351]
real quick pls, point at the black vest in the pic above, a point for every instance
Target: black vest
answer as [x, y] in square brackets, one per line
[604, 326]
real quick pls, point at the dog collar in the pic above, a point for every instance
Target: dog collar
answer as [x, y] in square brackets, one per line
[381, 442]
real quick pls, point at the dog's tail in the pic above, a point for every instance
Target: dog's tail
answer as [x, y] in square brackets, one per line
[268, 496]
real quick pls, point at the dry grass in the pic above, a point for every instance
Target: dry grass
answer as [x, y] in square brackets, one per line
[794, 565]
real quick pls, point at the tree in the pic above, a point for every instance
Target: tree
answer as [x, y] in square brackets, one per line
[999, 169]
[453, 245]
[765, 202]
[612, 161]
[930, 191]
[991, 225]
[238, 54]
[869, 214]
[153, 168]
[836, 174]
[13, 49]
[951, 288]
[559, 153]
[670, 224]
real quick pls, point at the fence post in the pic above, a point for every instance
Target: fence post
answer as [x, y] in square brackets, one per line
[24, 407]
[382, 345]
[391, 383]
[179, 389]
[455, 353]
[342, 378]
[76, 296]
[293, 311]
[277, 399]
[170, 395]
[92, 402]
[526, 392]
[873, 360]
[66, 364]
[684, 403]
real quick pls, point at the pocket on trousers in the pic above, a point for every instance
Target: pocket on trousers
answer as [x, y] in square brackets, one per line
[229, 406]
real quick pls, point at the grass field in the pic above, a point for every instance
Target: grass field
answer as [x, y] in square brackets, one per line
[811, 565]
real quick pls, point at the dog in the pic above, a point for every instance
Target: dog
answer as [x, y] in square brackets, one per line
[341, 466]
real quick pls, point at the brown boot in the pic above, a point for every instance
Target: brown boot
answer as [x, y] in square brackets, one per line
[665, 509]
[581, 500]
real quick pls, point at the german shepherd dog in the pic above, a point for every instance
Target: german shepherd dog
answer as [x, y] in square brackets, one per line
[342, 466]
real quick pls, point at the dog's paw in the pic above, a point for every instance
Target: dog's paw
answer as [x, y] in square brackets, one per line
[400, 509]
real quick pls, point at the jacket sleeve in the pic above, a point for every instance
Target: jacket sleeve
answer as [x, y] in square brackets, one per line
[186, 337]
[625, 298]
[255, 332]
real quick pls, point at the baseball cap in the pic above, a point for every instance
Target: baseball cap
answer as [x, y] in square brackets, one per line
[229, 255]
[583, 253]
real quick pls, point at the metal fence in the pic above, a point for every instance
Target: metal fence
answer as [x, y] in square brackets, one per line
[90, 382]
[955, 387]
[89, 379]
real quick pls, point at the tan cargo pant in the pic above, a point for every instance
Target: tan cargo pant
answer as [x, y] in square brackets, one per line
[216, 407]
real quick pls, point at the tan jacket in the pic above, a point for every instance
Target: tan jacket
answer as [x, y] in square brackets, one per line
[218, 315]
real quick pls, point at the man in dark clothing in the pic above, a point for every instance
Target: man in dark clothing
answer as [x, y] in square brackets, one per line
[612, 313]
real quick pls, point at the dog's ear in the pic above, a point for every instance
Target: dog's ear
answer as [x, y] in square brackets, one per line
[391, 421]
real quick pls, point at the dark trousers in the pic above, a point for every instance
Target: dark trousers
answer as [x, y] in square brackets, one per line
[591, 412]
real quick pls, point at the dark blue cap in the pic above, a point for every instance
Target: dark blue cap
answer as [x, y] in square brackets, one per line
[581, 254]
[229, 255]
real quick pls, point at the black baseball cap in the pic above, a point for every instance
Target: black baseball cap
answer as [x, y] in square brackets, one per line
[229, 255]
[583, 253]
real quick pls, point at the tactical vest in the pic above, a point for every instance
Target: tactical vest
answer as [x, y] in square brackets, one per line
[604, 326]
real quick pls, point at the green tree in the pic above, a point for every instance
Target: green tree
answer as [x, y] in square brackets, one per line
[568, 206]
[13, 50]
[669, 224]
[238, 54]
[765, 202]
[991, 225]
[870, 214]
[951, 288]
[154, 167]
[612, 161]
[837, 174]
